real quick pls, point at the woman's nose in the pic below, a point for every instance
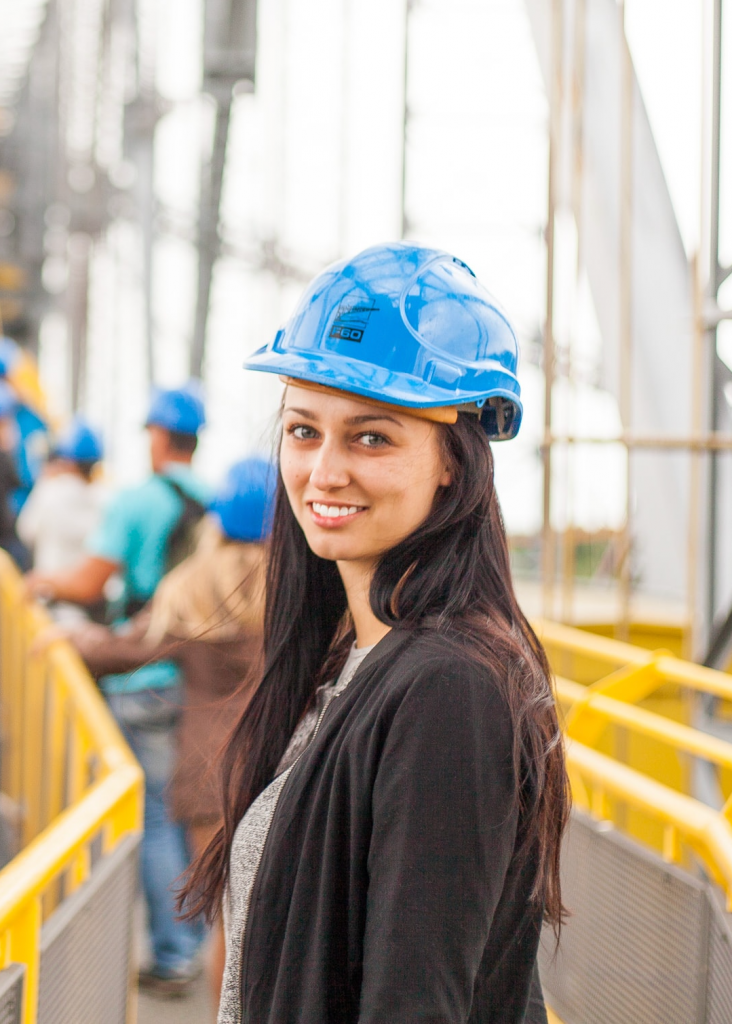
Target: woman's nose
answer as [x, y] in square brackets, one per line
[330, 469]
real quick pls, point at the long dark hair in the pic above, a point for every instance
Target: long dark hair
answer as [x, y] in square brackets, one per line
[452, 572]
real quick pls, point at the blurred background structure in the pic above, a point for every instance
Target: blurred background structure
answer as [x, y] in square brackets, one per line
[173, 171]
[164, 195]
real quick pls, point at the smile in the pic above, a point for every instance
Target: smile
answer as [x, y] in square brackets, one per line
[332, 514]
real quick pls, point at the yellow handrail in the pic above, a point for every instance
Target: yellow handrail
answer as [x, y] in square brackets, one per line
[67, 769]
[600, 684]
[647, 723]
[685, 819]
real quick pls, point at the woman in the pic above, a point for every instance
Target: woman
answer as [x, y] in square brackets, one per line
[206, 615]
[395, 792]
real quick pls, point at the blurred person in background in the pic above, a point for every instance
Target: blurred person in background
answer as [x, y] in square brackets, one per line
[145, 531]
[207, 616]
[63, 510]
[9, 479]
[30, 445]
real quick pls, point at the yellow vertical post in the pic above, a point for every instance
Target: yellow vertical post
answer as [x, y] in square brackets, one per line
[58, 727]
[14, 697]
[55, 759]
[127, 818]
[77, 784]
[6, 696]
[33, 762]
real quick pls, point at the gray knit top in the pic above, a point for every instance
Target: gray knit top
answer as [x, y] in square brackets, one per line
[251, 836]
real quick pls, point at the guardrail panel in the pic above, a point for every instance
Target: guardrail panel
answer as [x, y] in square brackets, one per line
[85, 946]
[11, 994]
[635, 947]
[719, 971]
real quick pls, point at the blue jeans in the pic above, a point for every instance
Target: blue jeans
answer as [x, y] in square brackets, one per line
[148, 720]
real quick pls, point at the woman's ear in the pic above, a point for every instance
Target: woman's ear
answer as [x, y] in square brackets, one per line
[446, 478]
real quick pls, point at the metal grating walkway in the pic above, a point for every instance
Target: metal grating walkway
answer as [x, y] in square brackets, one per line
[196, 1009]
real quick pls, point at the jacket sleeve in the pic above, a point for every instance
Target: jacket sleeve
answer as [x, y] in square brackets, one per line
[444, 829]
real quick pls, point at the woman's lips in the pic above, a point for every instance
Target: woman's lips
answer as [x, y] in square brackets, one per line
[332, 515]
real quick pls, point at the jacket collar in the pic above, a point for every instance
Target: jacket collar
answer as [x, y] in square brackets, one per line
[398, 637]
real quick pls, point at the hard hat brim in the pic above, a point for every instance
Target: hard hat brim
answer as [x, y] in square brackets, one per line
[382, 385]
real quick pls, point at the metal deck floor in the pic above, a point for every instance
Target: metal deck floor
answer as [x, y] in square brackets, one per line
[195, 1009]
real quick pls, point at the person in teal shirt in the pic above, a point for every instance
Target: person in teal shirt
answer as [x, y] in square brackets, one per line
[134, 534]
[134, 540]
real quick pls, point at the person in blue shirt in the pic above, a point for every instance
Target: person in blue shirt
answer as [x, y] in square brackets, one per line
[9, 479]
[134, 540]
[30, 447]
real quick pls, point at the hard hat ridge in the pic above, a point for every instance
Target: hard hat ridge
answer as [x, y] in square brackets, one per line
[405, 325]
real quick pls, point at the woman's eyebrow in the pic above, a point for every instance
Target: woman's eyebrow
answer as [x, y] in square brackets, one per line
[352, 421]
[301, 412]
[355, 421]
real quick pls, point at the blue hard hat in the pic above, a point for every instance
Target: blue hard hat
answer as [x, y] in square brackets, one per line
[8, 399]
[407, 325]
[79, 443]
[180, 410]
[244, 505]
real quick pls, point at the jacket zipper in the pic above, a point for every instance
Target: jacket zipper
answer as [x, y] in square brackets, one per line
[247, 905]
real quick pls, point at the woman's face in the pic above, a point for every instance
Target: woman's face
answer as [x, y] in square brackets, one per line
[359, 478]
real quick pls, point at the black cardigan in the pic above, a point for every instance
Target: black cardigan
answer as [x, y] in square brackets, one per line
[389, 891]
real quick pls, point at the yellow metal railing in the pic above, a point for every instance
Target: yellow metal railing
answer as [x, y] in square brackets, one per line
[631, 747]
[63, 765]
[66, 770]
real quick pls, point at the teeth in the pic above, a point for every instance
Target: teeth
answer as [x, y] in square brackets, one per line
[334, 511]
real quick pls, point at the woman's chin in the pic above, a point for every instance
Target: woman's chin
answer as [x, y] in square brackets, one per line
[337, 549]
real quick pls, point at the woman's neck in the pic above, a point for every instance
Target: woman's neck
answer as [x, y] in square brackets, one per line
[356, 578]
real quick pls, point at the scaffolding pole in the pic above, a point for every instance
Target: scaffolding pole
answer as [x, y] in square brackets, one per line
[555, 129]
[208, 231]
[625, 389]
[714, 274]
[408, 5]
[229, 54]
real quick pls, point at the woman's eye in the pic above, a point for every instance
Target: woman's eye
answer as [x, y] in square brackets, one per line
[372, 440]
[303, 433]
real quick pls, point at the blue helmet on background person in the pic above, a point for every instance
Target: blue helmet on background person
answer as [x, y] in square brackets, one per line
[79, 443]
[179, 410]
[408, 326]
[244, 505]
